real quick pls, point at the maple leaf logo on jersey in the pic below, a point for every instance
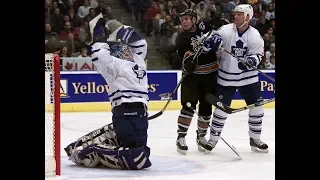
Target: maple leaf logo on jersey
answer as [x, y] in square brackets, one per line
[141, 73]
[239, 50]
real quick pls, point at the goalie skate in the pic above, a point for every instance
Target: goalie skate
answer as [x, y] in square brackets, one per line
[258, 146]
[182, 147]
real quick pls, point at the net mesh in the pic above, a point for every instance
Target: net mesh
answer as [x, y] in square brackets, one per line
[50, 163]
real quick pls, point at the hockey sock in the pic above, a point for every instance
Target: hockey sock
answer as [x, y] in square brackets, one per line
[184, 121]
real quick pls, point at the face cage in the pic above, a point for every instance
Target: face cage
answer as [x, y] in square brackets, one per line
[123, 52]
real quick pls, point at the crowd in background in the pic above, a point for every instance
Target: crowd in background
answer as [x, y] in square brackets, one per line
[161, 20]
[66, 23]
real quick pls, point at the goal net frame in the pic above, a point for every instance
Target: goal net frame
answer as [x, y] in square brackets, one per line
[52, 115]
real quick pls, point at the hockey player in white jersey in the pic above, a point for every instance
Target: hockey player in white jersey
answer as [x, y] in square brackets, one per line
[122, 144]
[244, 41]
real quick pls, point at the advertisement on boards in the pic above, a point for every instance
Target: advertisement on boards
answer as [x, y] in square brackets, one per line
[91, 87]
[267, 87]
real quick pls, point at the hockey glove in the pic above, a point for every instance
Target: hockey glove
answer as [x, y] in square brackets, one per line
[251, 61]
[188, 63]
[212, 43]
[98, 30]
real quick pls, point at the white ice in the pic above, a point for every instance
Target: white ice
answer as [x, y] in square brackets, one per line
[221, 164]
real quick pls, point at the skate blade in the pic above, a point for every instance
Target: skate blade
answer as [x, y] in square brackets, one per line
[255, 149]
[183, 152]
[207, 151]
[201, 149]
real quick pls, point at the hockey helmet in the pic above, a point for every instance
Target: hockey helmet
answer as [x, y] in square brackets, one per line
[121, 51]
[189, 12]
[246, 9]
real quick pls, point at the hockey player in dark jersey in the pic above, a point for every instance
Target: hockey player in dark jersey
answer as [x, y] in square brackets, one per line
[200, 77]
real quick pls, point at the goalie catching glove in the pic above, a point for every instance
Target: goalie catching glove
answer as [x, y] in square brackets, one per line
[189, 63]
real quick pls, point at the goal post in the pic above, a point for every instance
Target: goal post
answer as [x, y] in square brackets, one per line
[52, 115]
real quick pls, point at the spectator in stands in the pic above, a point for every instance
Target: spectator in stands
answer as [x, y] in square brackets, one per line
[74, 46]
[261, 26]
[273, 26]
[47, 31]
[186, 4]
[83, 53]
[271, 52]
[101, 8]
[168, 8]
[64, 51]
[270, 14]
[84, 10]
[94, 4]
[149, 16]
[91, 15]
[67, 30]
[46, 15]
[231, 5]
[108, 15]
[83, 32]
[267, 42]
[54, 5]
[75, 20]
[175, 17]
[272, 37]
[270, 64]
[166, 31]
[53, 44]
[56, 21]
[201, 10]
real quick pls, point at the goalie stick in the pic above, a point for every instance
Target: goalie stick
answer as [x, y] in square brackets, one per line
[218, 104]
[199, 51]
[200, 117]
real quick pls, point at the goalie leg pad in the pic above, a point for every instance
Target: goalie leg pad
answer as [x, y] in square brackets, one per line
[130, 121]
[124, 158]
[105, 135]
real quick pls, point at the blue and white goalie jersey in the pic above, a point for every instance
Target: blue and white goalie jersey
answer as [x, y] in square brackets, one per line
[127, 80]
[242, 45]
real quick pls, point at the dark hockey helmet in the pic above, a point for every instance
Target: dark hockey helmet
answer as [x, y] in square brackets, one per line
[189, 12]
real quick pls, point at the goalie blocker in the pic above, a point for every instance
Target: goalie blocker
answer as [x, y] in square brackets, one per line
[100, 147]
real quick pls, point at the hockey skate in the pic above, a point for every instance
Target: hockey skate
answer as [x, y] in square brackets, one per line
[210, 145]
[182, 147]
[201, 141]
[258, 146]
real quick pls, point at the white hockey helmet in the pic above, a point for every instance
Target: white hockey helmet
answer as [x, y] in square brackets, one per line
[246, 9]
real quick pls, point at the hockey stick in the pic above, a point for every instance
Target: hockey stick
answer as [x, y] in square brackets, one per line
[200, 117]
[217, 103]
[249, 65]
[169, 100]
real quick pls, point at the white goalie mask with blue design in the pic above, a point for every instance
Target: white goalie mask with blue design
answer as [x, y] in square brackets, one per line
[122, 51]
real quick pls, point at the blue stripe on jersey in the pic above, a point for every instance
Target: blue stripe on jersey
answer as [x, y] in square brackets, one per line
[137, 46]
[123, 91]
[249, 77]
[94, 51]
[95, 59]
[139, 53]
[234, 73]
[128, 97]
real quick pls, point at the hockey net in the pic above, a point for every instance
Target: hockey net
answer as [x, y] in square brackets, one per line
[52, 114]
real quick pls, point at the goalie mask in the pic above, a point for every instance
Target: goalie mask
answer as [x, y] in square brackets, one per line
[122, 51]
